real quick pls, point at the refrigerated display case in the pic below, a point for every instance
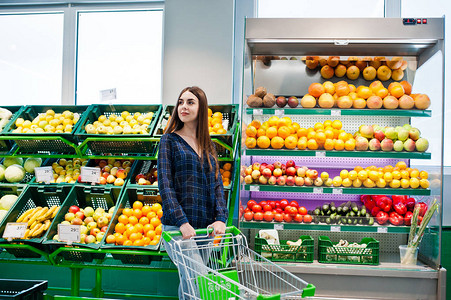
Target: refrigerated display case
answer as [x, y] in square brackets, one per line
[275, 57]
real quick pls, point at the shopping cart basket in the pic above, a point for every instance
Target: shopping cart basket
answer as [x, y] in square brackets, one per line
[225, 268]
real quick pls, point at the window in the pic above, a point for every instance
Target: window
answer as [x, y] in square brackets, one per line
[122, 50]
[31, 52]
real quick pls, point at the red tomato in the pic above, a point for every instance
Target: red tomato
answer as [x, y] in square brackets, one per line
[268, 216]
[279, 210]
[251, 203]
[287, 218]
[257, 208]
[267, 207]
[287, 209]
[298, 218]
[278, 217]
[292, 211]
[248, 216]
[258, 216]
[247, 209]
[263, 203]
[283, 203]
[302, 210]
[272, 203]
[277, 204]
[307, 219]
[294, 203]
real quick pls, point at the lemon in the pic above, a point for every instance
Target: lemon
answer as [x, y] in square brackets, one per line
[54, 165]
[140, 119]
[19, 122]
[147, 121]
[106, 122]
[337, 181]
[26, 124]
[362, 175]
[128, 118]
[50, 112]
[96, 124]
[395, 183]
[48, 118]
[369, 183]
[102, 118]
[119, 119]
[344, 174]
[414, 183]
[424, 183]
[54, 122]
[42, 124]
[59, 127]
[125, 114]
[405, 183]
[136, 115]
[34, 126]
[68, 122]
[381, 183]
[68, 114]
[57, 116]
[114, 124]
[41, 117]
[123, 124]
[117, 130]
[352, 175]
[68, 128]
[39, 130]
[346, 182]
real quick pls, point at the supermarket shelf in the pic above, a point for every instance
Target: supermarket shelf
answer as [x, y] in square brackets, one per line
[336, 190]
[333, 153]
[338, 112]
[324, 227]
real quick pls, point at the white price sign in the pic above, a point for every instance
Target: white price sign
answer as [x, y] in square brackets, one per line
[335, 228]
[318, 190]
[320, 153]
[254, 188]
[44, 174]
[69, 233]
[278, 226]
[338, 191]
[382, 229]
[335, 112]
[15, 230]
[258, 112]
[279, 112]
[107, 95]
[89, 174]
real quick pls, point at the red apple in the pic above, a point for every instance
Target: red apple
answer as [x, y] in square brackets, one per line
[103, 229]
[256, 166]
[263, 166]
[266, 172]
[74, 209]
[102, 163]
[313, 174]
[121, 174]
[290, 163]
[102, 180]
[272, 180]
[277, 165]
[299, 181]
[80, 215]
[262, 179]
[94, 231]
[281, 180]
[277, 172]
[290, 180]
[271, 167]
[308, 181]
[301, 172]
[105, 175]
[284, 169]
[291, 171]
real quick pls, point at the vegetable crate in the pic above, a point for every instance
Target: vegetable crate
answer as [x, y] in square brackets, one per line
[147, 168]
[302, 252]
[125, 144]
[46, 142]
[128, 197]
[7, 144]
[34, 197]
[365, 253]
[22, 289]
[81, 196]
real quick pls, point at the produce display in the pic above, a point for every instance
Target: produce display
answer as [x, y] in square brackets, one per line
[5, 116]
[14, 169]
[215, 122]
[67, 171]
[93, 223]
[48, 122]
[277, 211]
[113, 171]
[38, 220]
[138, 226]
[226, 172]
[6, 202]
[121, 123]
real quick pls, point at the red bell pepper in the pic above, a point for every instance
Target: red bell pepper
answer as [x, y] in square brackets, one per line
[369, 204]
[396, 219]
[408, 218]
[400, 208]
[399, 198]
[410, 204]
[382, 217]
[385, 203]
[364, 198]
[375, 211]
[423, 208]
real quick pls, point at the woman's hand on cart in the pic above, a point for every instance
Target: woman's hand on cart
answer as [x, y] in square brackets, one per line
[219, 227]
[187, 231]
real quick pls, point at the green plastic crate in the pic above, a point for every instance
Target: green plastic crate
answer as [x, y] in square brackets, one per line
[33, 197]
[142, 167]
[82, 196]
[48, 163]
[19, 289]
[29, 177]
[7, 145]
[284, 252]
[128, 197]
[9, 189]
[328, 253]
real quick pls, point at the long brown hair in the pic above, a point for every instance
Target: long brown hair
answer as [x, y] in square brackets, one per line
[202, 134]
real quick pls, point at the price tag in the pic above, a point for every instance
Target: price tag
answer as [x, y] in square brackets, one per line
[337, 191]
[335, 228]
[278, 226]
[107, 95]
[258, 112]
[382, 229]
[44, 174]
[279, 112]
[69, 233]
[254, 188]
[89, 174]
[320, 153]
[15, 230]
[317, 190]
[335, 112]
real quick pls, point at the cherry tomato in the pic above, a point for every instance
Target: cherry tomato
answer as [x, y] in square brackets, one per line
[251, 203]
[298, 218]
[268, 216]
[278, 217]
[307, 218]
[258, 216]
[302, 210]
[287, 218]
[267, 207]
[294, 203]
[257, 208]
[248, 216]
[283, 203]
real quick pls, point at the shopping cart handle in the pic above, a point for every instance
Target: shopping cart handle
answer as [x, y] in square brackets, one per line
[168, 235]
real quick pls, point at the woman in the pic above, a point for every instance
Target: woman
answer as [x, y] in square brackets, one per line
[188, 174]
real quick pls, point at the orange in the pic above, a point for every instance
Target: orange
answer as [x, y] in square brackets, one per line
[387, 168]
[271, 132]
[321, 137]
[159, 229]
[284, 132]
[133, 220]
[302, 132]
[273, 121]
[120, 240]
[336, 124]
[327, 123]
[128, 243]
[137, 205]
[153, 242]
[215, 121]
[144, 220]
[358, 169]
[364, 92]
[145, 210]
[336, 133]
[151, 215]
[217, 115]
[350, 144]
[351, 88]
[117, 234]
[128, 226]
[263, 142]
[135, 236]
[401, 165]
[148, 227]
[227, 166]
[397, 91]
[312, 144]
[296, 126]
[424, 175]
[250, 142]
[227, 174]
[151, 234]
[329, 134]
[339, 145]
[291, 142]
[318, 125]
[343, 136]
[155, 222]
[160, 213]
[405, 174]
[261, 132]
[221, 131]
[251, 131]
[139, 228]
[277, 142]
[137, 213]
[256, 124]
[329, 144]
[302, 144]
[156, 207]
[216, 127]
[157, 237]
[210, 112]
[127, 211]
[123, 219]
[383, 92]
[138, 243]
[120, 228]
[146, 241]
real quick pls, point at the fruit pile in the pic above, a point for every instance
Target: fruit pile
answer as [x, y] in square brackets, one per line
[93, 223]
[123, 123]
[396, 210]
[374, 96]
[261, 98]
[138, 226]
[277, 211]
[49, 121]
[215, 125]
[370, 68]
[284, 174]
[377, 138]
[149, 178]
[113, 171]
[67, 170]
[226, 174]
[38, 220]
[14, 169]
[399, 176]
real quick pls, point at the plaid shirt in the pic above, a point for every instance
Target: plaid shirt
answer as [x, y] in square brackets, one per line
[189, 191]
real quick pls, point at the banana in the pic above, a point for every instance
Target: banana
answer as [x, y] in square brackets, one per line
[30, 215]
[48, 214]
[55, 211]
[43, 215]
[25, 214]
[47, 224]
[39, 231]
[35, 216]
[27, 233]
[35, 223]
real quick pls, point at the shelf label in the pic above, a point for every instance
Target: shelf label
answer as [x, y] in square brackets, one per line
[258, 112]
[279, 112]
[317, 190]
[320, 153]
[335, 112]
[337, 191]
[278, 226]
[108, 95]
[335, 228]
[44, 174]
[254, 188]
[89, 174]
[15, 231]
[382, 229]
[69, 233]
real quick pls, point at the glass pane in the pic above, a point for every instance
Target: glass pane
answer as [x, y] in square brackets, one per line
[31, 51]
[321, 9]
[121, 50]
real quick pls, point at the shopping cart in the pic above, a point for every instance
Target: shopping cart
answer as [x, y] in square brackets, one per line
[225, 268]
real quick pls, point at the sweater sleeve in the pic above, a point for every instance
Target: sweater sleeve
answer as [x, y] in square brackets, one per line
[221, 205]
[171, 206]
